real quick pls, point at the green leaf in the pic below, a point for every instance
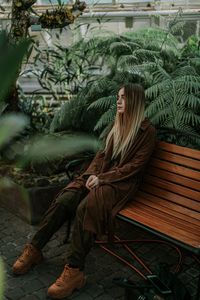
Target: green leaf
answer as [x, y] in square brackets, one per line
[10, 126]
[10, 60]
[2, 279]
[103, 103]
[52, 147]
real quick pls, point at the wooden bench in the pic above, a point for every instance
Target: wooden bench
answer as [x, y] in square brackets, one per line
[167, 203]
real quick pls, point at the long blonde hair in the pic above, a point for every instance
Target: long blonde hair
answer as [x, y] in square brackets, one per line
[127, 124]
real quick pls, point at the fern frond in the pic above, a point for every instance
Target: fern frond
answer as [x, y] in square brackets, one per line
[185, 70]
[126, 61]
[123, 77]
[106, 118]
[119, 48]
[159, 103]
[177, 27]
[154, 90]
[97, 87]
[161, 74]
[188, 82]
[153, 34]
[160, 117]
[146, 55]
[130, 64]
[103, 103]
[133, 45]
[189, 117]
[188, 100]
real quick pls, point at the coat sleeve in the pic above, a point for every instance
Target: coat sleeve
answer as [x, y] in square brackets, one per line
[135, 165]
[95, 165]
[93, 169]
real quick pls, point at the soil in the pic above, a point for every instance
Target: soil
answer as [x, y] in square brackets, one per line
[27, 178]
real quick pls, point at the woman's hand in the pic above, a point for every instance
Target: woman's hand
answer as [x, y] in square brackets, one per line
[92, 182]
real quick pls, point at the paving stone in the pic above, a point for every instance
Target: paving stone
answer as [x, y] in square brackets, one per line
[30, 297]
[100, 267]
[82, 296]
[47, 279]
[94, 290]
[105, 297]
[115, 292]
[41, 294]
[33, 285]
[16, 294]
[193, 272]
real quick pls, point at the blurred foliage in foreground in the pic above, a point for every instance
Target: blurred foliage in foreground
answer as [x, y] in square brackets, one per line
[11, 125]
[1, 280]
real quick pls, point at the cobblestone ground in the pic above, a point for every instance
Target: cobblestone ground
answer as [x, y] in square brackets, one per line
[101, 268]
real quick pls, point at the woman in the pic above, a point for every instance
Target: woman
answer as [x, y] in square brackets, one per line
[98, 194]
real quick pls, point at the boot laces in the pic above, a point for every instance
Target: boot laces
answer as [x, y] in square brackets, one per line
[65, 274]
[26, 253]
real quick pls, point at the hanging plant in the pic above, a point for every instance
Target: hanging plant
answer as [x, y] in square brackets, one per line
[57, 19]
[61, 16]
[24, 4]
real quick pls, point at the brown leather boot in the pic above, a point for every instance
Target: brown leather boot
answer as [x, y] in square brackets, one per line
[29, 257]
[70, 280]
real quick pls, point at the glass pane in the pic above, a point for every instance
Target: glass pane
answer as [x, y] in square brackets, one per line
[47, 2]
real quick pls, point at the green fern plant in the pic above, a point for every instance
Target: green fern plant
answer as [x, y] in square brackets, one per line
[175, 103]
[121, 59]
[151, 57]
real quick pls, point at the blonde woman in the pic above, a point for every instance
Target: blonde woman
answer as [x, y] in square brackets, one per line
[98, 194]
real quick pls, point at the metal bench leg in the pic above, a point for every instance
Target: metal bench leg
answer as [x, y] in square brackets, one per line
[198, 289]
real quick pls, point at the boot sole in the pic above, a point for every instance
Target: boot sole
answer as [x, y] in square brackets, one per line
[69, 292]
[24, 271]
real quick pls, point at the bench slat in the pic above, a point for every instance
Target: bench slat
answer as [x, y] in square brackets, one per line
[155, 162]
[165, 228]
[178, 159]
[172, 197]
[163, 225]
[191, 183]
[179, 150]
[167, 202]
[175, 188]
[175, 209]
[179, 221]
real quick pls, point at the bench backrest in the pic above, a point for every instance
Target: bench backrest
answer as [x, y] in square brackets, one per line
[168, 200]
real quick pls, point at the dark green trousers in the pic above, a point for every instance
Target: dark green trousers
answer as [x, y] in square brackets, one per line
[69, 204]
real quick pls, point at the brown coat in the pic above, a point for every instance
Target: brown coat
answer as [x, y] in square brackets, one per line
[118, 181]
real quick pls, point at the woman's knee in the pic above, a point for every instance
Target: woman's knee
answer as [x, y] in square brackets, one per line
[70, 199]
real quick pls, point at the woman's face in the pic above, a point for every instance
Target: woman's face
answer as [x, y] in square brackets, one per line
[121, 101]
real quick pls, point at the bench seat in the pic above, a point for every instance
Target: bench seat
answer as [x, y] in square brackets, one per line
[168, 201]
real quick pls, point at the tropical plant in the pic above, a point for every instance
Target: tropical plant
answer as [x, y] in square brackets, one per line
[11, 125]
[118, 59]
[37, 109]
[10, 59]
[191, 52]
[23, 16]
[175, 104]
